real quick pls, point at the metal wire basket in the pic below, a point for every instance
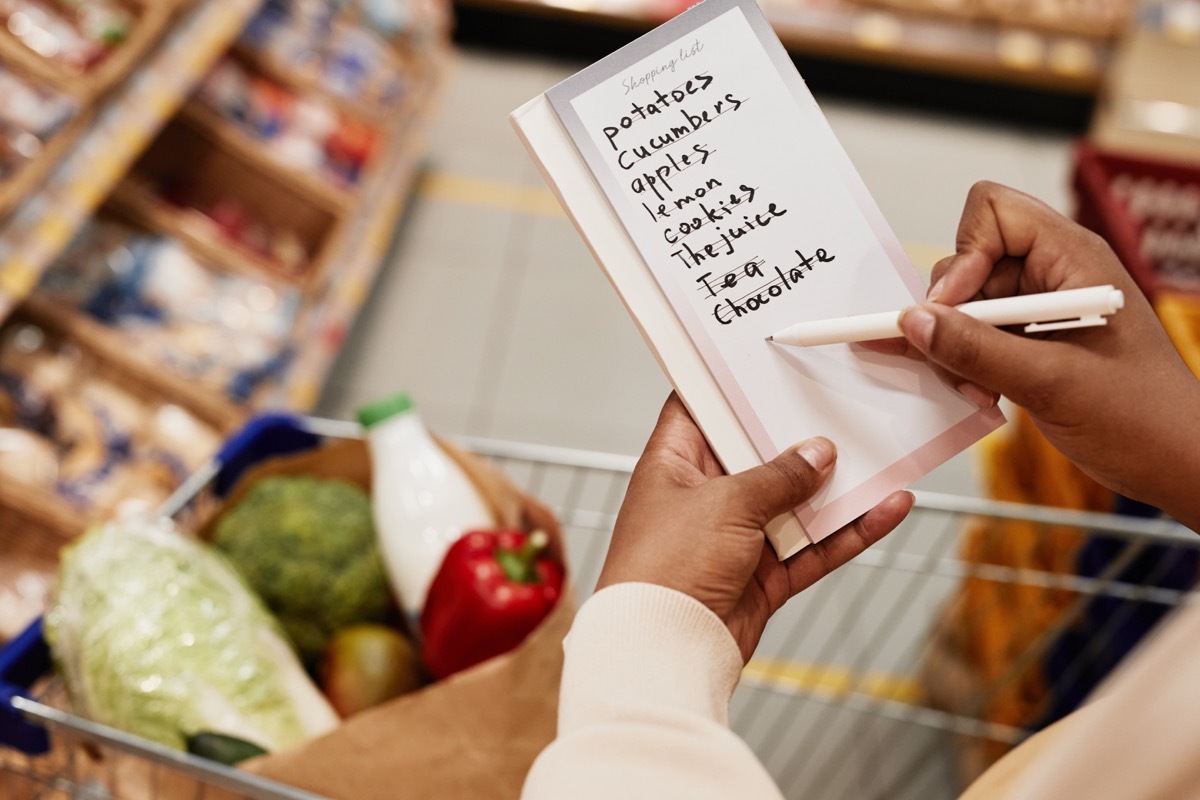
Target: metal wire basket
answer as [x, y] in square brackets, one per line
[836, 702]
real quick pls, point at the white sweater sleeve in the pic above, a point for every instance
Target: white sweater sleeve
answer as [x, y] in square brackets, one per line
[644, 705]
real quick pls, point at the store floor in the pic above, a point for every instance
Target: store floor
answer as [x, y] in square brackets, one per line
[492, 313]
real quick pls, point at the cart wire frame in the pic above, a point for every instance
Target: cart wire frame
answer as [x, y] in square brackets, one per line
[832, 702]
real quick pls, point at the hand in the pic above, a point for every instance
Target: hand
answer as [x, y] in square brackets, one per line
[1117, 400]
[684, 524]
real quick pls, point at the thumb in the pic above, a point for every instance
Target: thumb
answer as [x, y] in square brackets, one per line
[787, 481]
[1001, 362]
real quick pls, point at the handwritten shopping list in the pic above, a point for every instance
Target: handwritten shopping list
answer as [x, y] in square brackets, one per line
[728, 179]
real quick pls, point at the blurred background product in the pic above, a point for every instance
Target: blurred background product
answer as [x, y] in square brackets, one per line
[195, 197]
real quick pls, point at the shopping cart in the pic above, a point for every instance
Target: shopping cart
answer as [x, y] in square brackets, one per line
[834, 702]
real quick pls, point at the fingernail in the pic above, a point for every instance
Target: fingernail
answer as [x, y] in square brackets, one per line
[935, 291]
[917, 324]
[818, 452]
[977, 395]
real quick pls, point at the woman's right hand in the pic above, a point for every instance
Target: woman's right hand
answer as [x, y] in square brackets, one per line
[1117, 400]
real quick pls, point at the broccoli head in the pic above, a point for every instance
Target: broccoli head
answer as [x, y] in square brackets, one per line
[307, 547]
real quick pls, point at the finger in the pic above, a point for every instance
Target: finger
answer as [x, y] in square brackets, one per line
[786, 481]
[676, 435]
[888, 347]
[674, 454]
[999, 221]
[818, 560]
[980, 396]
[673, 421]
[935, 278]
[1001, 279]
[1002, 362]
[1058, 253]
[1002, 225]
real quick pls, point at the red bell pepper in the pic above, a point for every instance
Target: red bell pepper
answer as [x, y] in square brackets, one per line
[492, 590]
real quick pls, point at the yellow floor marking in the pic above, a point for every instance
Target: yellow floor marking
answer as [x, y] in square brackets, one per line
[831, 681]
[497, 194]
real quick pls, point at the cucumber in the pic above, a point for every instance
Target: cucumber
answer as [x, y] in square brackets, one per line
[222, 748]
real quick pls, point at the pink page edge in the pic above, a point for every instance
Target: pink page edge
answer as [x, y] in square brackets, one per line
[832, 516]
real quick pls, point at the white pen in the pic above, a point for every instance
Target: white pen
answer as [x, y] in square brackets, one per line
[1049, 311]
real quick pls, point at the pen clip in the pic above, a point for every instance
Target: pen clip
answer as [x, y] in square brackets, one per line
[1062, 325]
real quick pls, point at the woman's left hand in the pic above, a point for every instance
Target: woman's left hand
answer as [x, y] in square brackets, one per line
[686, 525]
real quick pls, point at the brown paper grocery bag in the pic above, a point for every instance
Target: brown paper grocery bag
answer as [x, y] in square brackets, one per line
[473, 735]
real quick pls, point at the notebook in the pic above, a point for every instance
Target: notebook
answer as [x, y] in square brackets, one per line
[704, 178]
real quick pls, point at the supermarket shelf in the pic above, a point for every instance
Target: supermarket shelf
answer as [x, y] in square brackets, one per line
[308, 183]
[304, 83]
[980, 51]
[30, 176]
[837, 29]
[127, 120]
[114, 350]
[359, 252]
[150, 21]
[134, 200]
[39, 509]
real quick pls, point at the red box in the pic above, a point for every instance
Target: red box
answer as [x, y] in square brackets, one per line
[1148, 211]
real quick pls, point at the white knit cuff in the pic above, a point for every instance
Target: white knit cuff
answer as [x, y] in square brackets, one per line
[639, 646]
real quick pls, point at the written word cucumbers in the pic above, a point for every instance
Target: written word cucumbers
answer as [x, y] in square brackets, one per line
[685, 122]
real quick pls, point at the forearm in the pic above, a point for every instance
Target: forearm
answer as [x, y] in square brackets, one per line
[1164, 450]
[644, 703]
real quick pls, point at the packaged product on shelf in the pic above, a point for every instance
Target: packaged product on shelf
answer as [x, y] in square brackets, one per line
[115, 452]
[236, 222]
[25, 457]
[30, 116]
[304, 131]
[389, 17]
[1096, 19]
[228, 332]
[349, 148]
[76, 34]
[318, 41]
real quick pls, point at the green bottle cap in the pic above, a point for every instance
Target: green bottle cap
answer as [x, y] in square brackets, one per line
[385, 409]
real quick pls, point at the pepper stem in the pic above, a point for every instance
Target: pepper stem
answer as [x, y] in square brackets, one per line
[520, 566]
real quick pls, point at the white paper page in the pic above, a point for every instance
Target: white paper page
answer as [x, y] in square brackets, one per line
[568, 177]
[749, 215]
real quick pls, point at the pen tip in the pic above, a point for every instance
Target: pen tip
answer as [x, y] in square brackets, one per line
[770, 338]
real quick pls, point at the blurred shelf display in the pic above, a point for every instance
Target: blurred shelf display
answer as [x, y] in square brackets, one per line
[241, 192]
[323, 326]
[73, 124]
[1055, 45]
[81, 47]
[1147, 106]
[325, 189]
[87, 431]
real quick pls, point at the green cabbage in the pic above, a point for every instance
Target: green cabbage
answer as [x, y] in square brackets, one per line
[157, 635]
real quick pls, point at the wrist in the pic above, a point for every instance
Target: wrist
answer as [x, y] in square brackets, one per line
[1167, 474]
[643, 646]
